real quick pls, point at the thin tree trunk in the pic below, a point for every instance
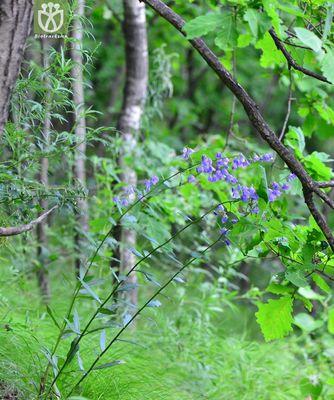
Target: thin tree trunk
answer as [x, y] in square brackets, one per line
[80, 129]
[136, 54]
[15, 24]
[42, 274]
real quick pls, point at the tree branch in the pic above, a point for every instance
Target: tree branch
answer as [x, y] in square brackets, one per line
[254, 115]
[325, 184]
[17, 230]
[290, 60]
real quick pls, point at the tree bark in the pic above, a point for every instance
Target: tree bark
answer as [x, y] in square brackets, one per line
[15, 24]
[136, 54]
[42, 240]
[80, 129]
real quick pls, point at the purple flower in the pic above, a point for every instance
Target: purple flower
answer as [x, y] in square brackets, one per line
[148, 185]
[222, 162]
[227, 242]
[115, 199]
[124, 202]
[285, 186]
[255, 210]
[191, 179]
[224, 219]
[220, 208]
[219, 155]
[154, 180]
[268, 157]
[186, 153]
[240, 162]
[224, 231]
[235, 193]
[291, 177]
[206, 164]
[273, 194]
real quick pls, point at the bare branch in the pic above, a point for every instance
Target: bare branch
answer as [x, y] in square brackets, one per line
[255, 117]
[291, 62]
[17, 230]
[325, 184]
[286, 120]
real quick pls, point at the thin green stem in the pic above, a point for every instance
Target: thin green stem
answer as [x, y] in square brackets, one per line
[111, 294]
[79, 284]
[138, 312]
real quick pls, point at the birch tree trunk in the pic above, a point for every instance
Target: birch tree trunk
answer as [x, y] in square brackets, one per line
[15, 24]
[42, 274]
[80, 129]
[136, 54]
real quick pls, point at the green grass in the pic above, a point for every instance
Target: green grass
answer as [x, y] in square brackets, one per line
[197, 346]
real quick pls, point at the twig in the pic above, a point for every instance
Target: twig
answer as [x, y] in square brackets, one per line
[17, 230]
[325, 184]
[286, 120]
[290, 60]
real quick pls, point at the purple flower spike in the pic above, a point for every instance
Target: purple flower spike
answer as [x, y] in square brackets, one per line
[187, 152]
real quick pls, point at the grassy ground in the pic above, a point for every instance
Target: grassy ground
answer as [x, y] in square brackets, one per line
[181, 352]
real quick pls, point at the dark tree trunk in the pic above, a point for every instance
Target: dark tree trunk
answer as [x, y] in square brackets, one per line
[80, 130]
[15, 24]
[135, 89]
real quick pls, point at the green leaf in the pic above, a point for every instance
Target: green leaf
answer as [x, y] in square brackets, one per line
[275, 317]
[295, 139]
[154, 303]
[50, 312]
[309, 39]
[251, 17]
[321, 283]
[327, 65]
[307, 323]
[297, 278]
[310, 294]
[310, 389]
[330, 323]
[270, 55]
[202, 25]
[227, 36]
[110, 364]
